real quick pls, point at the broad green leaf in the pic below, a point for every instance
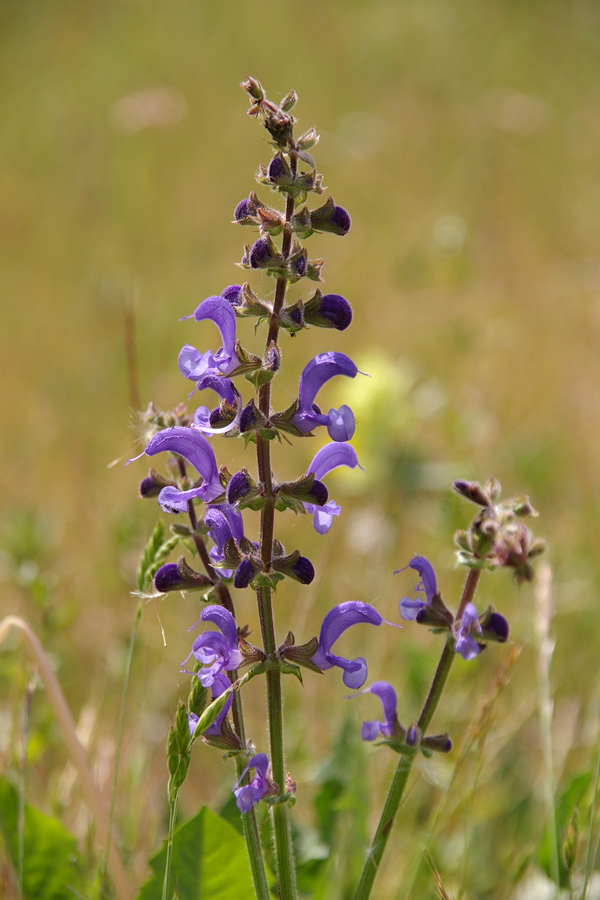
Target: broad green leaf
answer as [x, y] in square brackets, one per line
[51, 863]
[209, 862]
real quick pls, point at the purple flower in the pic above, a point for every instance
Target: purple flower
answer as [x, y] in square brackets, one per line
[389, 701]
[195, 448]
[224, 522]
[329, 457]
[331, 217]
[465, 643]
[196, 366]
[337, 620]
[409, 609]
[249, 794]
[218, 652]
[219, 686]
[340, 422]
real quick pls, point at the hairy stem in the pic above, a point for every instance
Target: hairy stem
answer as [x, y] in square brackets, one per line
[281, 827]
[398, 785]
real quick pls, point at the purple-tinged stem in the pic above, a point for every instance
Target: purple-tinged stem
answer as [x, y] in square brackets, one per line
[281, 827]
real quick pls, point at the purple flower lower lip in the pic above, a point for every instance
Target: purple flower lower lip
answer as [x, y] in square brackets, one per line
[387, 695]
[340, 422]
[337, 620]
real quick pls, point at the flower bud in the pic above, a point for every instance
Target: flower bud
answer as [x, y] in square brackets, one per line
[251, 418]
[279, 171]
[233, 294]
[289, 101]
[246, 571]
[264, 255]
[153, 483]
[306, 489]
[254, 88]
[243, 491]
[179, 577]
[295, 566]
[331, 218]
[247, 210]
[328, 311]
[473, 491]
[494, 627]
[272, 358]
[441, 743]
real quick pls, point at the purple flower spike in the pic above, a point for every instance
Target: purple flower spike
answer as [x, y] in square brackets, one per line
[337, 620]
[340, 422]
[218, 687]
[409, 609]
[389, 701]
[217, 652]
[465, 643]
[249, 794]
[195, 448]
[329, 457]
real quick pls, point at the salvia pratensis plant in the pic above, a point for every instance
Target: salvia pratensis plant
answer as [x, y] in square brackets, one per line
[210, 507]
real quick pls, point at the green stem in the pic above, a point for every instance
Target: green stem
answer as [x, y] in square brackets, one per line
[398, 785]
[173, 806]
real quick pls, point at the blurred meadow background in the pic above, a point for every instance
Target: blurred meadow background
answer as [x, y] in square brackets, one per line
[464, 138]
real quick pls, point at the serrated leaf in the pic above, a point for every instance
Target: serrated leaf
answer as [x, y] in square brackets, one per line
[51, 863]
[209, 862]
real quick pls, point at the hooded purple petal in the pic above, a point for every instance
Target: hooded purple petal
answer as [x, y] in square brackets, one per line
[409, 609]
[389, 701]
[249, 794]
[224, 621]
[465, 643]
[318, 371]
[219, 311]
[337, 620]
[331, 457]
[195, 448]
[328, 458]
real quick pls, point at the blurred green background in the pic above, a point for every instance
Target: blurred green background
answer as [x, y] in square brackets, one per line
[464, 138]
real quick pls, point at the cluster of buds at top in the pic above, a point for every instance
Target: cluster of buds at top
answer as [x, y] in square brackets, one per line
[498, 536]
